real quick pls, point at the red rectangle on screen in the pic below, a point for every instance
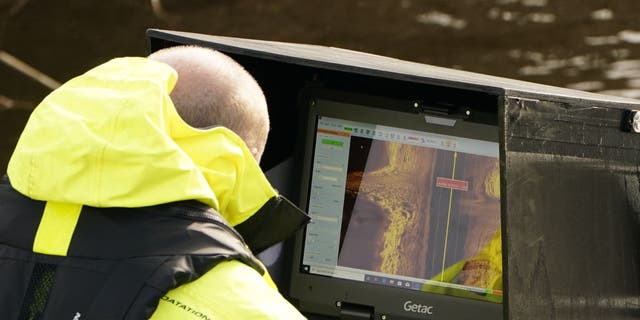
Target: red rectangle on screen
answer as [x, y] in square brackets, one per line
[452, 184]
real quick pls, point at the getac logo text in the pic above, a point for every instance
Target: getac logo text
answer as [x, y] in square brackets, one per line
[418, 308]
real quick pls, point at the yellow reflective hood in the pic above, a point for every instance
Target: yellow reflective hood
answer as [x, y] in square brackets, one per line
[113, 138]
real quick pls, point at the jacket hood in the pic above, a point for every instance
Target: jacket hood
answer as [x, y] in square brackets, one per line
[113, 138]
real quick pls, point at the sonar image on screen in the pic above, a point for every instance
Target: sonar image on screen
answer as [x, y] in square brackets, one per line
[419, 210]
[406, 208]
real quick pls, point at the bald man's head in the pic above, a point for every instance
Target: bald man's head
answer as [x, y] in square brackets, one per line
[214, 90]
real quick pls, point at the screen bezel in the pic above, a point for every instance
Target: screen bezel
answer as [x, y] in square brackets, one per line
[325, 295]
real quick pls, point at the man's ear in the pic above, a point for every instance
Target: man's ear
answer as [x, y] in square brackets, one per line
[256, 153]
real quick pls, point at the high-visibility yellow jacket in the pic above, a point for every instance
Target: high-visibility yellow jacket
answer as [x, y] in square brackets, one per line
[111, 138]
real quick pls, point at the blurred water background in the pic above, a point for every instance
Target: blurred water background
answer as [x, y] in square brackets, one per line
[591, 45]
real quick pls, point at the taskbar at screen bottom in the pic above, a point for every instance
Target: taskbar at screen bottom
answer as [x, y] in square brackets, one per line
[451, 289]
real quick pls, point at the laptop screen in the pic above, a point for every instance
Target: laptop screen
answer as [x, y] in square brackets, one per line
[395, 206]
